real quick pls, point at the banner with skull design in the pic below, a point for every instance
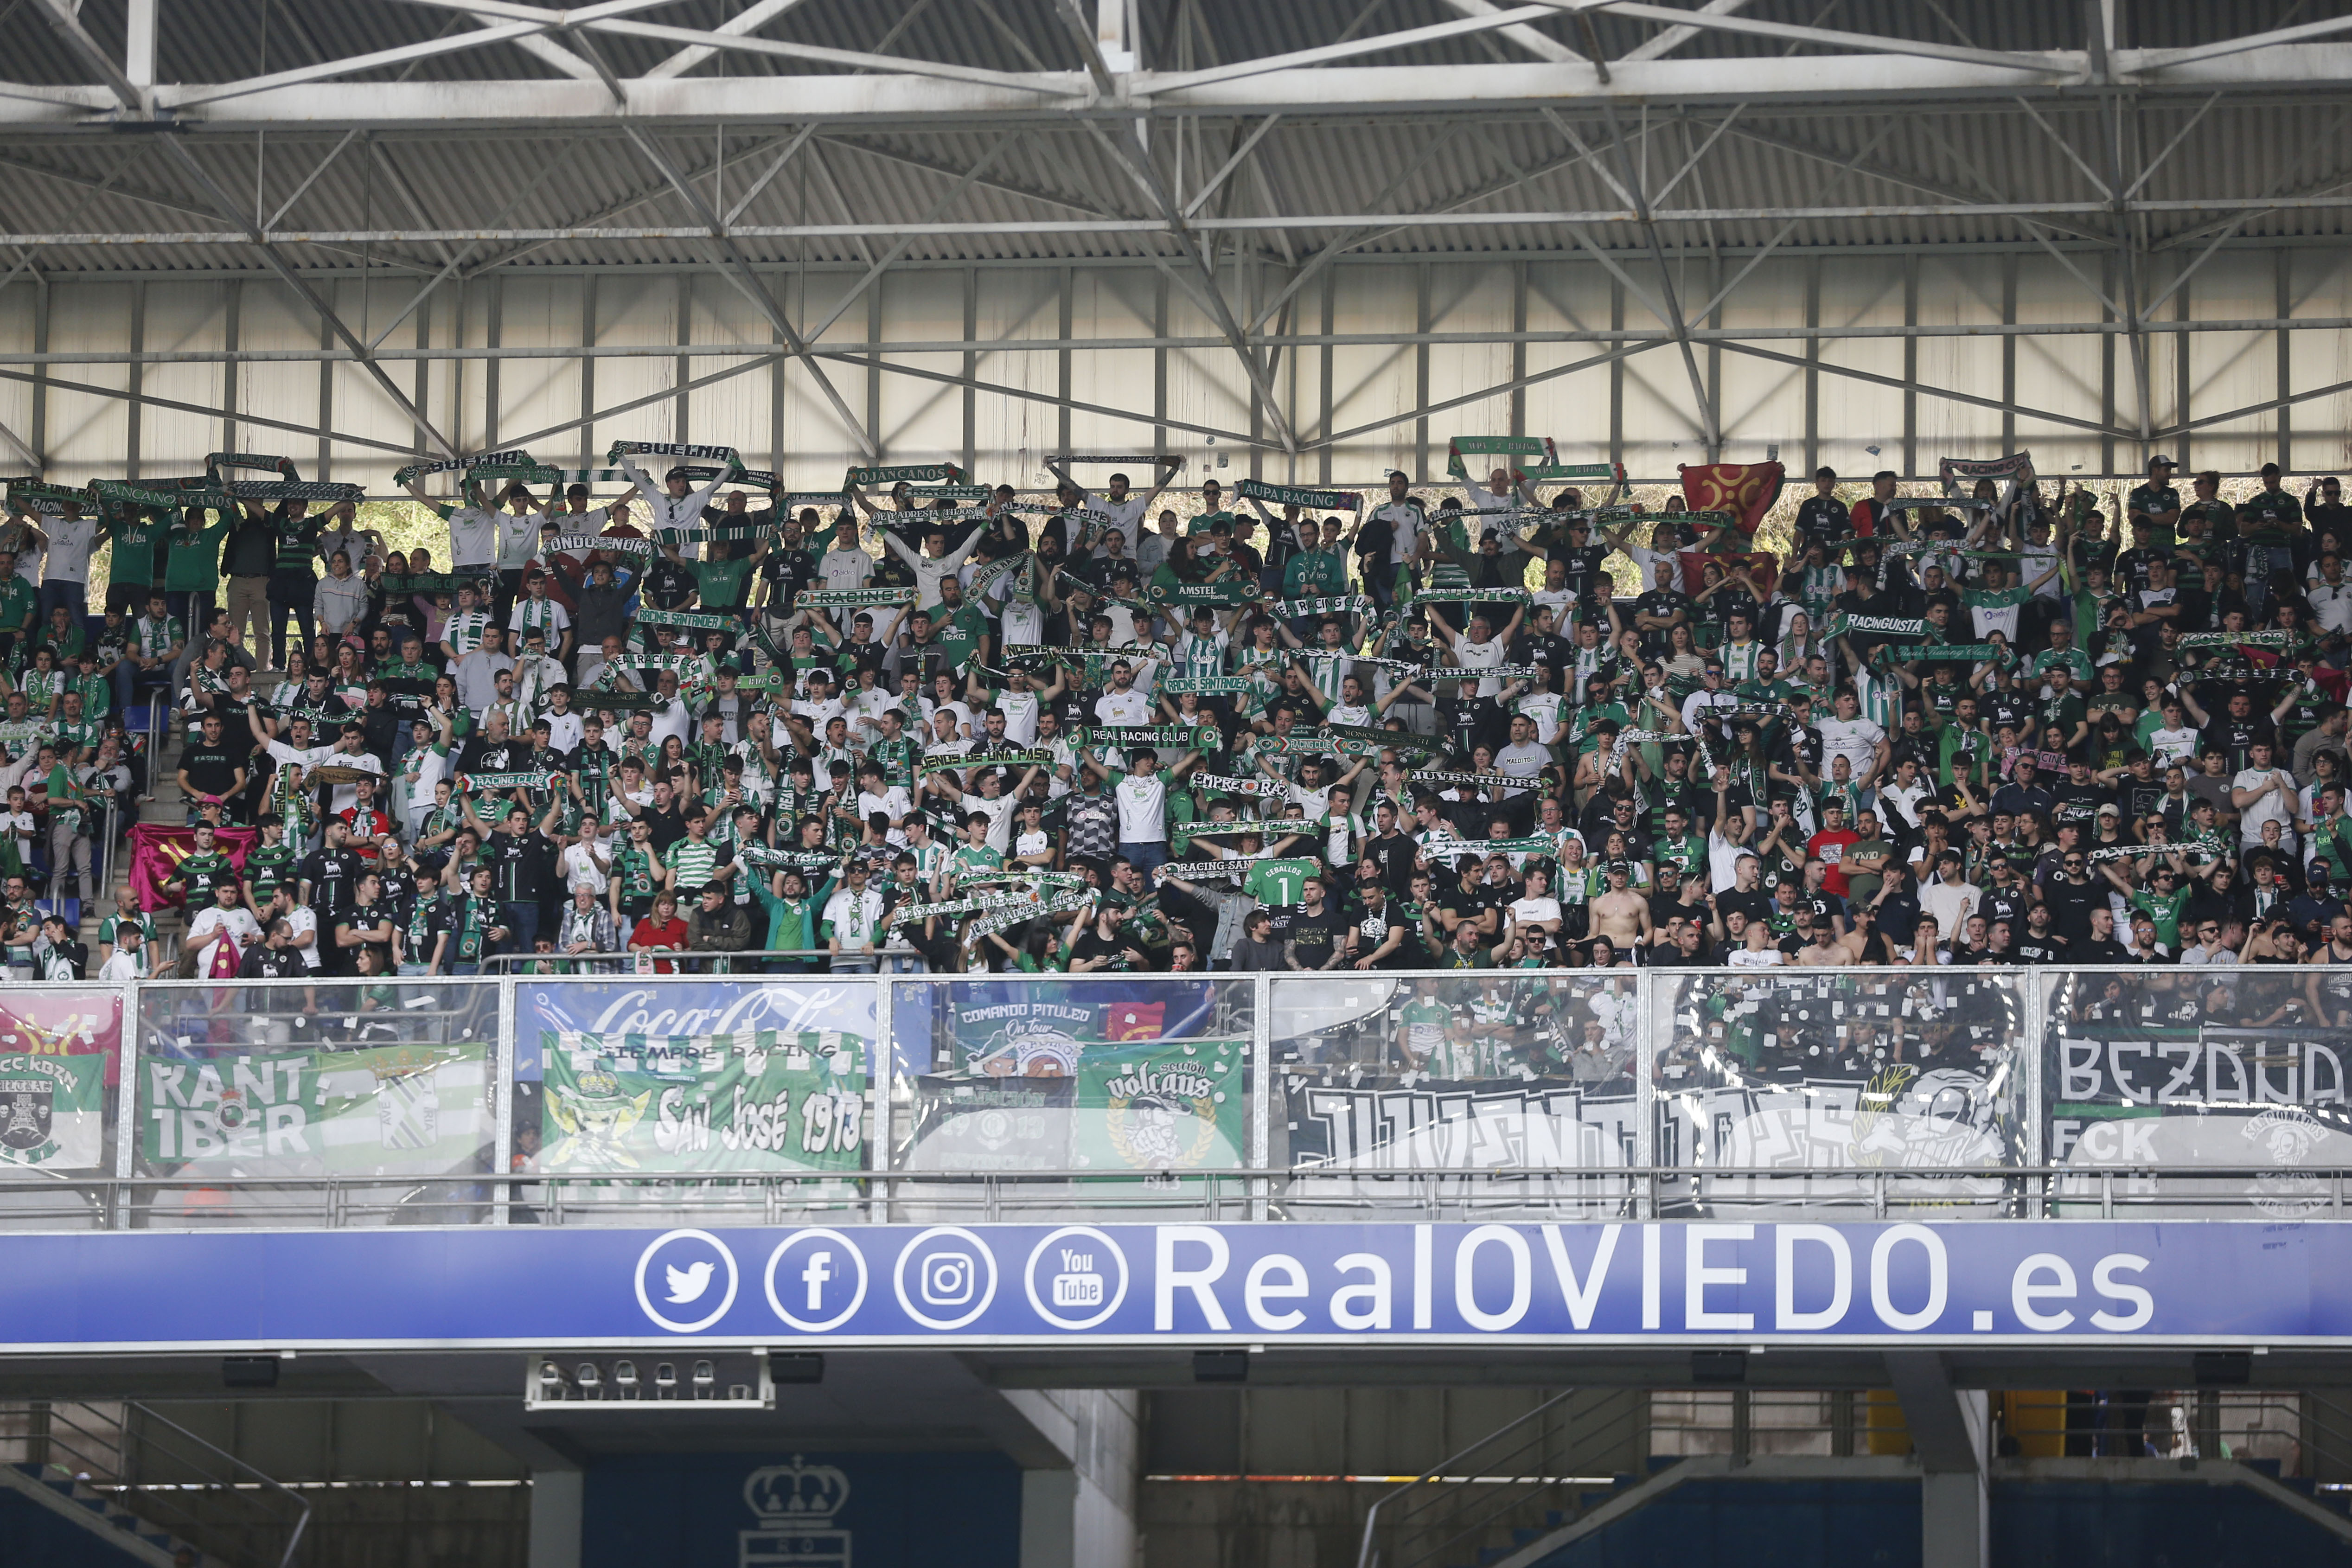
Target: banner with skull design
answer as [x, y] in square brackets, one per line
[53, 1112]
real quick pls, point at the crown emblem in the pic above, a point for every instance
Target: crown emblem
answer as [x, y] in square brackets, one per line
[797, 1493]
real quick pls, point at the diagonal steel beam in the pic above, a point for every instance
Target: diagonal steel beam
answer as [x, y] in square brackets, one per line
[119, 394]
[739, 273]
[1675, 37]
[1829, 38]
[857, 290]
[68, 26]
[749, 20]
[1542, 45]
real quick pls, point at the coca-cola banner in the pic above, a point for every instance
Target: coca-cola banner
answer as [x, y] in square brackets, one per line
[652, 1072]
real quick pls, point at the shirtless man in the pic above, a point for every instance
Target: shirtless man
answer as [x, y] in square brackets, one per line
[1822, 949]
[1619, 914]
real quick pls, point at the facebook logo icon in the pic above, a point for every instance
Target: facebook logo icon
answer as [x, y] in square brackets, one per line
[815, 1281]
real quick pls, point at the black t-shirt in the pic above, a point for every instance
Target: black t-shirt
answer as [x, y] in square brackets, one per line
[1393, 854]
[1314, 934]
[2108, 951]
[1372, 928]
[1092, 943]
[524, 864]
[1755, 904]
[2078, 803]
[2032, 949]
[667, 584]
[212, 770]
[333, 874]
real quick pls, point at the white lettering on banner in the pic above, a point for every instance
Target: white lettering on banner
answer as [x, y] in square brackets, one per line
[1699, 1274]
[2026, 1288]
[790, 1008]
[1785, 1312]
[1168, 1279]
[1258, 1291]
[1424, 1242]
[2103, 1280]
[2201, 1072]
[1465, 1278]
[1374, 1294]
[1582, 1298]
[256, 1114]
[1078, 1283]
[1939, 1277]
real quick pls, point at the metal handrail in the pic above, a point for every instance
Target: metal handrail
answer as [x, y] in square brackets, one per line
[302, 1516]
[1366, 1552]
[503, 962]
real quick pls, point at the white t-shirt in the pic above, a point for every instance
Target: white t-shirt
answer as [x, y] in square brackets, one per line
[71, 541]
[1529, 911]
[1020, 710]
[1142, 808]
[841, 570]
[210, 925]
[2166, 747]
[1129, 706]
[1487, 655]
[305, 921]
[1522, 762]
[473, 538]
[122, 965]
[999, 813]
[2274, 806]
[584, 867]
[1855, 740]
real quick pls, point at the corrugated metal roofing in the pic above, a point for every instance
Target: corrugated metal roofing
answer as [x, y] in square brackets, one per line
[1768, 158]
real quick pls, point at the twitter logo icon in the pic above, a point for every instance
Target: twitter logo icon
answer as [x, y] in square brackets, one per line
[689, 1283]
[685, 1280]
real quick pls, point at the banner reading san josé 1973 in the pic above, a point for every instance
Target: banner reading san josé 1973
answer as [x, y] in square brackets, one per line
[758, 1099]
[390, 1111]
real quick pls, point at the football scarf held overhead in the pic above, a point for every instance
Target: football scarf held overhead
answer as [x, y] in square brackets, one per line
[259, 462]
[1181, 834]
[968, 761]
[1471, 597]
[499, 782]
[1495, 447]
[1228, 594]
[294, 489]
[1901, 628]
[2011, 471]
[1329, 604]
[727, 455]
[851, 598]
[908, 473]
[581, 543]
[1747, 490]
[2242, 639]
[1005, 919]
[32, 495]
[1196, 871]
[1474, 781]
[1307, 500]
[478, 460]
[687, 619]
[1129, 737]
[676, 663]
[1961, 653]
[1454, 848]
[1364, 739]
[1207, 685]
[987, 577]
[1265, 789]
[1098, 460]
[118, 492]
[2142, 851]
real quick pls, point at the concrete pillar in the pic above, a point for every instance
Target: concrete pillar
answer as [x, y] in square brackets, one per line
[1950, 1432]
[555, 1498]
[1080, 1513]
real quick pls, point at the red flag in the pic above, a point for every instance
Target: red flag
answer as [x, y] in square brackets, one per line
[158, 847]
[1135, 1020]
[1745, 490]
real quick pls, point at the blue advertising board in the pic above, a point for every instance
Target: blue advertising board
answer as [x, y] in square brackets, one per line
[2086, 1282]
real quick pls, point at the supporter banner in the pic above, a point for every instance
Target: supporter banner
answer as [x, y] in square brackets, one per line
[754, 1100]
[687, 619]
[1005, 919]
[53, 1112]
[665, 1005]
[912, 473]
[1343, 1120]
[45, 1021]
[1291, 495]
[1152, 1105]
[419, 1108]
[1747, 490]
[2117, 1287]
[1031, 1027]
[157, 849]
[1147, 459]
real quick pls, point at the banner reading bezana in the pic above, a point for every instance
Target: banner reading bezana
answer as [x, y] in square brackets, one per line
[763, 1099]
[390, 1111]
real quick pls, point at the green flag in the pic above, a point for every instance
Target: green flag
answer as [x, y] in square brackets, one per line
[760, 1100]
[52, 1110]
[1161, 1105]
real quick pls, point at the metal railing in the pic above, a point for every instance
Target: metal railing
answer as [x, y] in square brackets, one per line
[644, 960]
[156, 1470]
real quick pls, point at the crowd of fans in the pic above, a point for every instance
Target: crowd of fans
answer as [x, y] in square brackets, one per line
[936, 726]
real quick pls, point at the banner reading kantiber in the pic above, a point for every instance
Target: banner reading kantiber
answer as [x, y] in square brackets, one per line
[52, 1111]
[391, 1111]
[763, 1099]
